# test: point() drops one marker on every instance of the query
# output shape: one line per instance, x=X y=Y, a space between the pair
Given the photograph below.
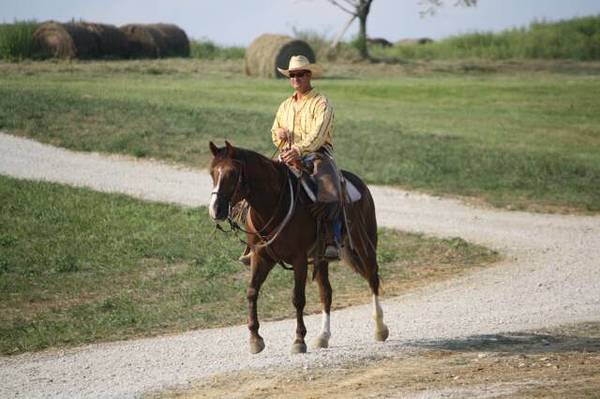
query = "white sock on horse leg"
x=377 y=313
x=326 y=325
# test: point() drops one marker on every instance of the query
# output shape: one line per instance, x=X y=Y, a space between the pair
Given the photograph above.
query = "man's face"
x=300 y=80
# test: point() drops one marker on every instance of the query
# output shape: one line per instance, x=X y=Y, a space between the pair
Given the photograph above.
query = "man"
x=303 y=129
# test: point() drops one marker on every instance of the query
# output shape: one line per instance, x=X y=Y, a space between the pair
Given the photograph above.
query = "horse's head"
x=227 y=175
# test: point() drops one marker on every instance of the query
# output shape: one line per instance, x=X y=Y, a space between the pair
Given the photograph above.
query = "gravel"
x=550 y=276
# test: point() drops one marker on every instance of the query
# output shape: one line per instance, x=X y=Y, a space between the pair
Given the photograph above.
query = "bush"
x=16 y=40
x=208 y=50
x=321 y=45
x=576 y=39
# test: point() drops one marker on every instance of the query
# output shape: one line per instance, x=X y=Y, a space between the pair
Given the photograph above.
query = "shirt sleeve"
x=323 y=115
x=277 y=123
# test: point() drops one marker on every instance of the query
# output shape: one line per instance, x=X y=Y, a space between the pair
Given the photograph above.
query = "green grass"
x=526 y=139
x=16 y=40
x=78 y=266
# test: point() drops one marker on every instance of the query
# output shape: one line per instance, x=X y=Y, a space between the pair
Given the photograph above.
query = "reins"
x=265 y=241
x=283 y=223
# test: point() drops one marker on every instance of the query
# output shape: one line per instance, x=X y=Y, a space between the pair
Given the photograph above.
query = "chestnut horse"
x=281 y=228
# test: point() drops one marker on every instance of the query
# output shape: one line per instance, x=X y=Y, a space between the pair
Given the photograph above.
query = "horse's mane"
x=250 y=157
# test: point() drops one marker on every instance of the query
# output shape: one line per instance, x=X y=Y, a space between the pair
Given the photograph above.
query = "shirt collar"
x=308 y=95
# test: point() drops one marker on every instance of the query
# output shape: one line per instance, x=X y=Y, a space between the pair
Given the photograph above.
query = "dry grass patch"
x=563 y=362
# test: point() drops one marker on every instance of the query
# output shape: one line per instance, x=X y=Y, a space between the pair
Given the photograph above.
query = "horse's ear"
x=213 y=148
x=230 y=149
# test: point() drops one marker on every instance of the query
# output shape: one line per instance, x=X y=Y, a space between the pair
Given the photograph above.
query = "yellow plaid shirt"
x=310 y=120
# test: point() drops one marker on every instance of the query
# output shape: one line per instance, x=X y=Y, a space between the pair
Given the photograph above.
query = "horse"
x=281 y=228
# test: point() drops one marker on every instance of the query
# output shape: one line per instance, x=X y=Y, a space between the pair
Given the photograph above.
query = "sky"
x=238 y=22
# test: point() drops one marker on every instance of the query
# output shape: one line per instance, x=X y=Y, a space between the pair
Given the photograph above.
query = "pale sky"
x=238 y=22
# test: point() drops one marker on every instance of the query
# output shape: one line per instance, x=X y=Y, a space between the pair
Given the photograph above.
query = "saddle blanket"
x=310 y=188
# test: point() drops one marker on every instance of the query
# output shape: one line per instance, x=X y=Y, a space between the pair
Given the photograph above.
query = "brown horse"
x=280 y=227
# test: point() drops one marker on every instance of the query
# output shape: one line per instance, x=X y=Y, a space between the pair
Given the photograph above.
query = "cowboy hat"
x=301 y=63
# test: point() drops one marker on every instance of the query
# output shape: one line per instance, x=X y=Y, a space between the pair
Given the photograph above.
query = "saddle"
x=309 y=185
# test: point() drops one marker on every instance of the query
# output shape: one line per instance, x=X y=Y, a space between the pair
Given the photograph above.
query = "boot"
x=332 y=252
x=245 y=257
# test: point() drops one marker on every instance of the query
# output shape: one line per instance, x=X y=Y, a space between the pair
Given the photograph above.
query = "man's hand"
x=290 y=156
x=283 y=133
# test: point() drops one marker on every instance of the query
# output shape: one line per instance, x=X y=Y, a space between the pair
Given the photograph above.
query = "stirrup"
x=332 y=252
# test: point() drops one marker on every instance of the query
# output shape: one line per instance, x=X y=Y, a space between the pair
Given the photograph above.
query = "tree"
x=357 y=9
x=360 y=9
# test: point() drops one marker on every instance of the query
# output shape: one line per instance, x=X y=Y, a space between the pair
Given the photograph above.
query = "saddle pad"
x=353 y=192
x=310 y=187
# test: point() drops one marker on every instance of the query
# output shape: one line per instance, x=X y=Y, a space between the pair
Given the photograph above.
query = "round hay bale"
x=156 y=40
x=70 y=40
x=143 y=41
x=112 y=42
x=414 y=42
x=379 y=41
x=175 y=40
x=267 y=52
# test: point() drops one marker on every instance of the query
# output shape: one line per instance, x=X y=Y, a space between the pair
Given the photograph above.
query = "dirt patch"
x=561 y=363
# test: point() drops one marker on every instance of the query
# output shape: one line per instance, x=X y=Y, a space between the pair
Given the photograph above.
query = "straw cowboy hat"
x=301 y=63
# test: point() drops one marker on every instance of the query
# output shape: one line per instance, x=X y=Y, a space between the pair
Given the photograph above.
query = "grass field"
x=78 y=266
x=527 y=139
x=517 y=135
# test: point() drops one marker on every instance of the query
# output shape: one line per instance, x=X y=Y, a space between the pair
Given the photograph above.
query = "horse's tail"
x=363 y=230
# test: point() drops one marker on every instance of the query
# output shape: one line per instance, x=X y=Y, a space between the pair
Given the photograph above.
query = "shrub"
x=576 y=39
x=208 y=50
x=16 y=40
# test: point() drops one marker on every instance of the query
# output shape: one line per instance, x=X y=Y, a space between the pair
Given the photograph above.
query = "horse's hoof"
x=298 y=347
x=320 y=342
x=382 y=334
x=256 y=345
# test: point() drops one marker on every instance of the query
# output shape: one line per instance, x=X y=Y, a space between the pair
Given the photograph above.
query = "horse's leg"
x=300 y=270
x=322 y=274
x=364 y=261
x=381 y=330
x=260 y=268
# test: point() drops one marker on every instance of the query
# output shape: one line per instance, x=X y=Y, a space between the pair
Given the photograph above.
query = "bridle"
x=265 y=238
x=238 y=184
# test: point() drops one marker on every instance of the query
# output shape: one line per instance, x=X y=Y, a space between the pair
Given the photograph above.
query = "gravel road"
x=550 y=275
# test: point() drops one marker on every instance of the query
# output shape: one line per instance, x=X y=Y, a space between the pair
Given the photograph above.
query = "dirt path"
x=551 y=363
x=551 y=276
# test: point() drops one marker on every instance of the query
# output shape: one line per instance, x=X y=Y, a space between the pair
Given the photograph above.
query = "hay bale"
x=175 y=40
x=112 y=42
x=267 y=52
x=156 y=40
x=70 y=40
x=142 y=41
x=414 y=42
x=379 y=41
x=79 y=40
